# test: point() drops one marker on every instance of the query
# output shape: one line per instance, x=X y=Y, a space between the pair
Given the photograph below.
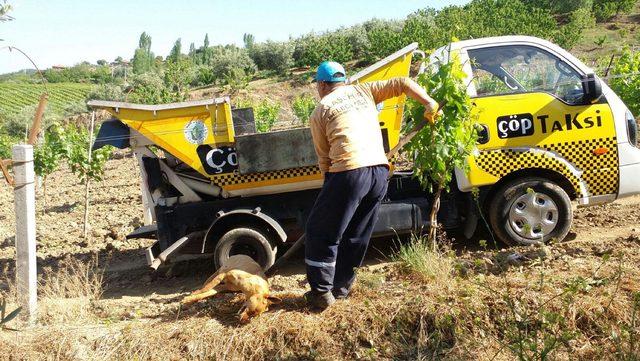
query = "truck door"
x=532 y=104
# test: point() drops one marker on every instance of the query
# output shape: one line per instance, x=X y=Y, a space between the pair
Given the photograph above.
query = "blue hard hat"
x=331 y=72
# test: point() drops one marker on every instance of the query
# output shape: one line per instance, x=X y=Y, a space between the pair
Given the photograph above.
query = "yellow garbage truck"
x=551 y=133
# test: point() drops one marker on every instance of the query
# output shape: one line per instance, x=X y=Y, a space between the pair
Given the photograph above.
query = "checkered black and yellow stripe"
x=231 y=181
x=598 y=172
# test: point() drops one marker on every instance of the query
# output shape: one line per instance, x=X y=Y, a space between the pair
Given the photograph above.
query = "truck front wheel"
x=247 y=241
x=530 y=210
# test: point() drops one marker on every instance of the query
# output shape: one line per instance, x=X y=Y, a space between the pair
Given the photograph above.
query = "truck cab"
x=550 y=125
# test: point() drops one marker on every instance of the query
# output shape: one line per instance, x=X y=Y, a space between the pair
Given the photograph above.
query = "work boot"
x=319 y=300
x=340 y=293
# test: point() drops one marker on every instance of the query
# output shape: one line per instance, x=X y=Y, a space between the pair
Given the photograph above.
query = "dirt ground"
x=135 y=312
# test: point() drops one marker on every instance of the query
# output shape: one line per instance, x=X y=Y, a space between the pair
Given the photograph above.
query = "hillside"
x=619 y=32
x=17 y=96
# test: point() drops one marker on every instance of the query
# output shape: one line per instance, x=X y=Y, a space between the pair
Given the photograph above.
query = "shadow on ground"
x=127 y=275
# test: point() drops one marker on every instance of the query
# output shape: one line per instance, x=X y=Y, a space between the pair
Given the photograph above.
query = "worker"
x=348 y=142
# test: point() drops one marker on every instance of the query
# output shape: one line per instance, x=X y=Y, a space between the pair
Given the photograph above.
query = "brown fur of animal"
x=240 y=273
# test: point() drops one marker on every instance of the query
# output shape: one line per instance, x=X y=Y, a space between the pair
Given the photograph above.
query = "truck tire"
x=245 y=241
x=529 y=210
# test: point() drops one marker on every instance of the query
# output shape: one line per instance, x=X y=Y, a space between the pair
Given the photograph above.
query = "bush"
x=312 y=49
x=177 y=78
x=625 y=80
x=79 y=73
x=231 y=61
x=204 y=75
x=571 y=33
x=386 y=37
x=101 y=75
x=47 y=154
x=74 y=108
x=359 y=41
x=106 y=92
x=419 y=26
x=147 y=88
x=561 y=8
x=480 y=18
x=266 y=114
x=76 y=154
x=15 y=125
x=303 y=106
x=604 y=10
x=6 y=142
x=237 y=79
x=271 y=55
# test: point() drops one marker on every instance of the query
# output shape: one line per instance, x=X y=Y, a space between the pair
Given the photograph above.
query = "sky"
x=66 y=32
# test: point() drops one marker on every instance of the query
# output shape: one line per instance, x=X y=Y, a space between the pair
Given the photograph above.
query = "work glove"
x=431 y=114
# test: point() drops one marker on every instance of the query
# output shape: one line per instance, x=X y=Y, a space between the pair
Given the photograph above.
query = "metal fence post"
x=25 y=205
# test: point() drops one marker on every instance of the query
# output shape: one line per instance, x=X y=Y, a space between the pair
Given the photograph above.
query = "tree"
x=101 y=75
x=176 y=52
x=561 y=8
x=147 y=88
x=207 y=54
x=106 y=92
x=625 y=80
x=5 y=8
x=177 y=77
x=4 y=12
x=386 y=35
x=77 y=141
x=143 y=58
x=192 y=50
x=231 y=61
x=272 y=55
x=571 y=32
x=248 y=40
x=47 y=155
x=604 y=10
x=303 y=106
x=441 y=148
x=101 y=62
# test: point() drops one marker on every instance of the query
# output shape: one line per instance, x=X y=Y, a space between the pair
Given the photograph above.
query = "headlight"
x=632 y=129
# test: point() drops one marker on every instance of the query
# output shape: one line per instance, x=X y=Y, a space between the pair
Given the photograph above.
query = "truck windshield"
x=516 y=69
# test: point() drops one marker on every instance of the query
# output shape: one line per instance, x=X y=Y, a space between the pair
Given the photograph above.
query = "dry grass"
x=434 y=264
x=424 y=307
x=65 y=294
x=73 y=279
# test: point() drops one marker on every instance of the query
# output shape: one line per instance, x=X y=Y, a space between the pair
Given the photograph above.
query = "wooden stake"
x=37 y=120
x=85 y=228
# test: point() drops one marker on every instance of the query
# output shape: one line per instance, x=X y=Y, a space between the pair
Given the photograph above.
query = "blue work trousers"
x=340 y=226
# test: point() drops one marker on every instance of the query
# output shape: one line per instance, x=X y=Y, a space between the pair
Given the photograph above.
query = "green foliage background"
x=625 y=79
x=303 y=106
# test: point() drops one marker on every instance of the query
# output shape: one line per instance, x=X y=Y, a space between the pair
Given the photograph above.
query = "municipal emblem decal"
x=195 y=132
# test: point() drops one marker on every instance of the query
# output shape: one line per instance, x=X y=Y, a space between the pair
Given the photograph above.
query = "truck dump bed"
x=203 y=136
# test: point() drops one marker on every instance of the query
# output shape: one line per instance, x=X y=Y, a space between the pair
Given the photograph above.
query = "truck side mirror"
x=592 y=88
